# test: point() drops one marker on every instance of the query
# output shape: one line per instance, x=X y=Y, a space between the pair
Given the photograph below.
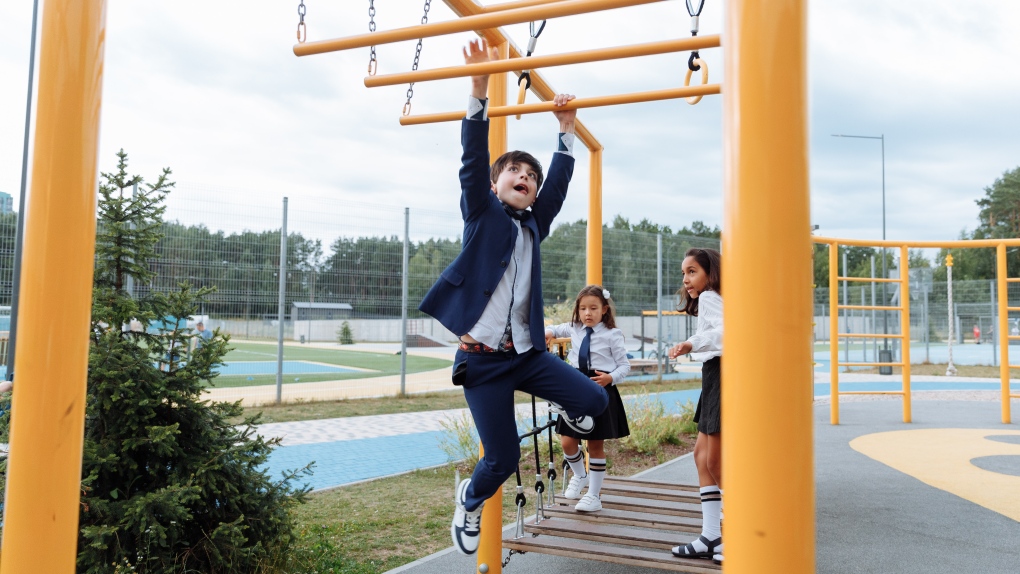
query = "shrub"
x=345 y=336
x=460 y=439
x=651 y=426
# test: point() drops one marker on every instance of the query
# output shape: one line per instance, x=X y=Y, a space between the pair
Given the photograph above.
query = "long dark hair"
x=709 y=260
x=608 y=318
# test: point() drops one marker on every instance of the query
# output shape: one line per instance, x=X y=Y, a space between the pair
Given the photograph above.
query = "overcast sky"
x=213 y=90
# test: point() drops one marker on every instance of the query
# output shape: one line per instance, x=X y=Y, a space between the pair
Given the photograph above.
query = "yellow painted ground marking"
x=941 y=458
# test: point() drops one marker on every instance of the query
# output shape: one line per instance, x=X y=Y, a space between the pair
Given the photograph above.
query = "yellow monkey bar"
x=465 y=24
x=536 y=62
x=501 y=111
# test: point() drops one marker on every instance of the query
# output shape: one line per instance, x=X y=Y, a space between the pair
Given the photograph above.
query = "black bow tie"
x=521 y=215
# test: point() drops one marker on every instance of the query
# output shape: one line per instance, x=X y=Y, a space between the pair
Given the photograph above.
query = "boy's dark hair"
x=608 y=318
x=512 y=157
x=709 y=260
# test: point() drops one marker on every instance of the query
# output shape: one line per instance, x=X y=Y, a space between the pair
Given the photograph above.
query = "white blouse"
x=706 y=343
x=606 y=352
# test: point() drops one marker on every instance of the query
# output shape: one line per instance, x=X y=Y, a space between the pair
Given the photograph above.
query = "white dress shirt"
x=606 y=351
x=516 y=281
x=706 y=343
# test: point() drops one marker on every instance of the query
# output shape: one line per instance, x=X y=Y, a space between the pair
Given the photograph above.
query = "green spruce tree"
x=169 y=484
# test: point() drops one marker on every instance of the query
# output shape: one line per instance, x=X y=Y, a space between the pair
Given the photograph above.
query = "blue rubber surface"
x=269 y=368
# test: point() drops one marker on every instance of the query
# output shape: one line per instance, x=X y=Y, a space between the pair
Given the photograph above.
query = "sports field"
x=249 y=364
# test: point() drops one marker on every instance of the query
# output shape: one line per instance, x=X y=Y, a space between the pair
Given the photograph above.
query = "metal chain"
x=372 y=62
x=417 y=55
x=512 y=552
x=302 y=31
x=695 y=15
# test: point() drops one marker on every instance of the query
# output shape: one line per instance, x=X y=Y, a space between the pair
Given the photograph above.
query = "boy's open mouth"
x=521 y=188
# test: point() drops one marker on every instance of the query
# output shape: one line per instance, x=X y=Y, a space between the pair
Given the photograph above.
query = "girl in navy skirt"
x=701 y=296
x=596 y=350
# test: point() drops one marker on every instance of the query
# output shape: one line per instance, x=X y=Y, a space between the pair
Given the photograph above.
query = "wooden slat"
x=650 y=483
x=640 y=505
x=607 y=533
x=615 y=554
x=629 y=518
x=652 y=493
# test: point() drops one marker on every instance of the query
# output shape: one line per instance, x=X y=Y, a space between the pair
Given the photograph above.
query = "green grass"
x=380 y=364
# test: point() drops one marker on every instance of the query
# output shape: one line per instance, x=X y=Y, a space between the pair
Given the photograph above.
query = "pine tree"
x=169 y=484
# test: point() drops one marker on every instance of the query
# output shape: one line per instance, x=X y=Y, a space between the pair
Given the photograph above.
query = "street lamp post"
x=885 y=273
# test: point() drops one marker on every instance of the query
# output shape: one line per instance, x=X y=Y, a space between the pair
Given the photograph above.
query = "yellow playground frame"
x=1003 y=311
x=767 y=245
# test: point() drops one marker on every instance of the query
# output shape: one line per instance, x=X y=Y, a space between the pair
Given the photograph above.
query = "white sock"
x=597 y=466
x=576 y=462
x=711 y=508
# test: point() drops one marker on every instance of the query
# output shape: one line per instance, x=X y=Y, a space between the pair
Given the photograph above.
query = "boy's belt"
x=506 y=347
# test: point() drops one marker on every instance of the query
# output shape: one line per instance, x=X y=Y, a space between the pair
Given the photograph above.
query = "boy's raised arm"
x=474 y=171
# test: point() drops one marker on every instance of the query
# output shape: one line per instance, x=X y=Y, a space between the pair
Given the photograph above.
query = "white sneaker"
x=467 y=525
x=582 y=425
x=589 y=503
x=577 y=483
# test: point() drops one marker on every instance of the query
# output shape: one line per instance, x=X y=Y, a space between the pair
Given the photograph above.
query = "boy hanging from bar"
x=491 y=298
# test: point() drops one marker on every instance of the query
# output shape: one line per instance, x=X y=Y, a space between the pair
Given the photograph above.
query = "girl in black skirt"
x=597 y=350
x=701 y=296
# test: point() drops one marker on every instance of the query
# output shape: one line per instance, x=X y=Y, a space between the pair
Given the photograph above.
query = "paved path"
x=353 y=449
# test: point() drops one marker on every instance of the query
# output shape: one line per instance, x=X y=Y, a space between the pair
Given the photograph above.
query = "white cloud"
x=213 y=91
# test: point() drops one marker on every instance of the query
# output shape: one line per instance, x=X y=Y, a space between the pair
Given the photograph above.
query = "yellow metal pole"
x=465 y=24
x=834 y=333
x=1003 y=288
x=490 y=544
x=767 y=222
x=514 y=5
x=594 y=269
x=579 y=103
x=905 y=303
x=48 y=415
x=537 y=62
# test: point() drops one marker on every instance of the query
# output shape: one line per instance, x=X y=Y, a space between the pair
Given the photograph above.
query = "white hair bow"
x=605 y=293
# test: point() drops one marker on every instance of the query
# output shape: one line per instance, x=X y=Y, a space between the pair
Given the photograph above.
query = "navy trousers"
x=489 y=383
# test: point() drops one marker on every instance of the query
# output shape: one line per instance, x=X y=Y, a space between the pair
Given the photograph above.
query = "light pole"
x=885 y=274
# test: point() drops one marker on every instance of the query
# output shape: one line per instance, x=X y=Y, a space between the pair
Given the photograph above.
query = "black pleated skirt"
x=612 y=423
x=708 y=414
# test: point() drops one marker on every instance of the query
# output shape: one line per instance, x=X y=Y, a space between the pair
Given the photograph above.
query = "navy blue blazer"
x=462 y=291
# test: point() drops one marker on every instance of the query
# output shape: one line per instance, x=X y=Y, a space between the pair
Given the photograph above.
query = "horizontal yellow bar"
x=842 y=364
x=1013 y=280
x=870 y=279
x=1014 y=366
x=1013 y=308
x=871 y=392
x=949 y=244
x=465 y=24
x=871 y=335
x=536 y=62
x=869 y=307
x=595 y=102
x=503 y=6
x=1013 y=337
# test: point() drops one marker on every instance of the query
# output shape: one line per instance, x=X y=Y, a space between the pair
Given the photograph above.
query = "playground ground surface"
x=937 y=496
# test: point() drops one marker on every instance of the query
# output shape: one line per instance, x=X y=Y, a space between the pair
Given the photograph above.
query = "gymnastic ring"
x=704 y=80
x=521 y=93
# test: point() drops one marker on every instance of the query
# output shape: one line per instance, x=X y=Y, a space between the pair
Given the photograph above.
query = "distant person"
x=597 y=350
x=491 y=298
x=977 y=334
x=202 y=335
x=701 y=296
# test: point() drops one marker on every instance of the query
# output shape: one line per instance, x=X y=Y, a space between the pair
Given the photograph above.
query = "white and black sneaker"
x=574 y=487
x=467 y=525
x=582 y=425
